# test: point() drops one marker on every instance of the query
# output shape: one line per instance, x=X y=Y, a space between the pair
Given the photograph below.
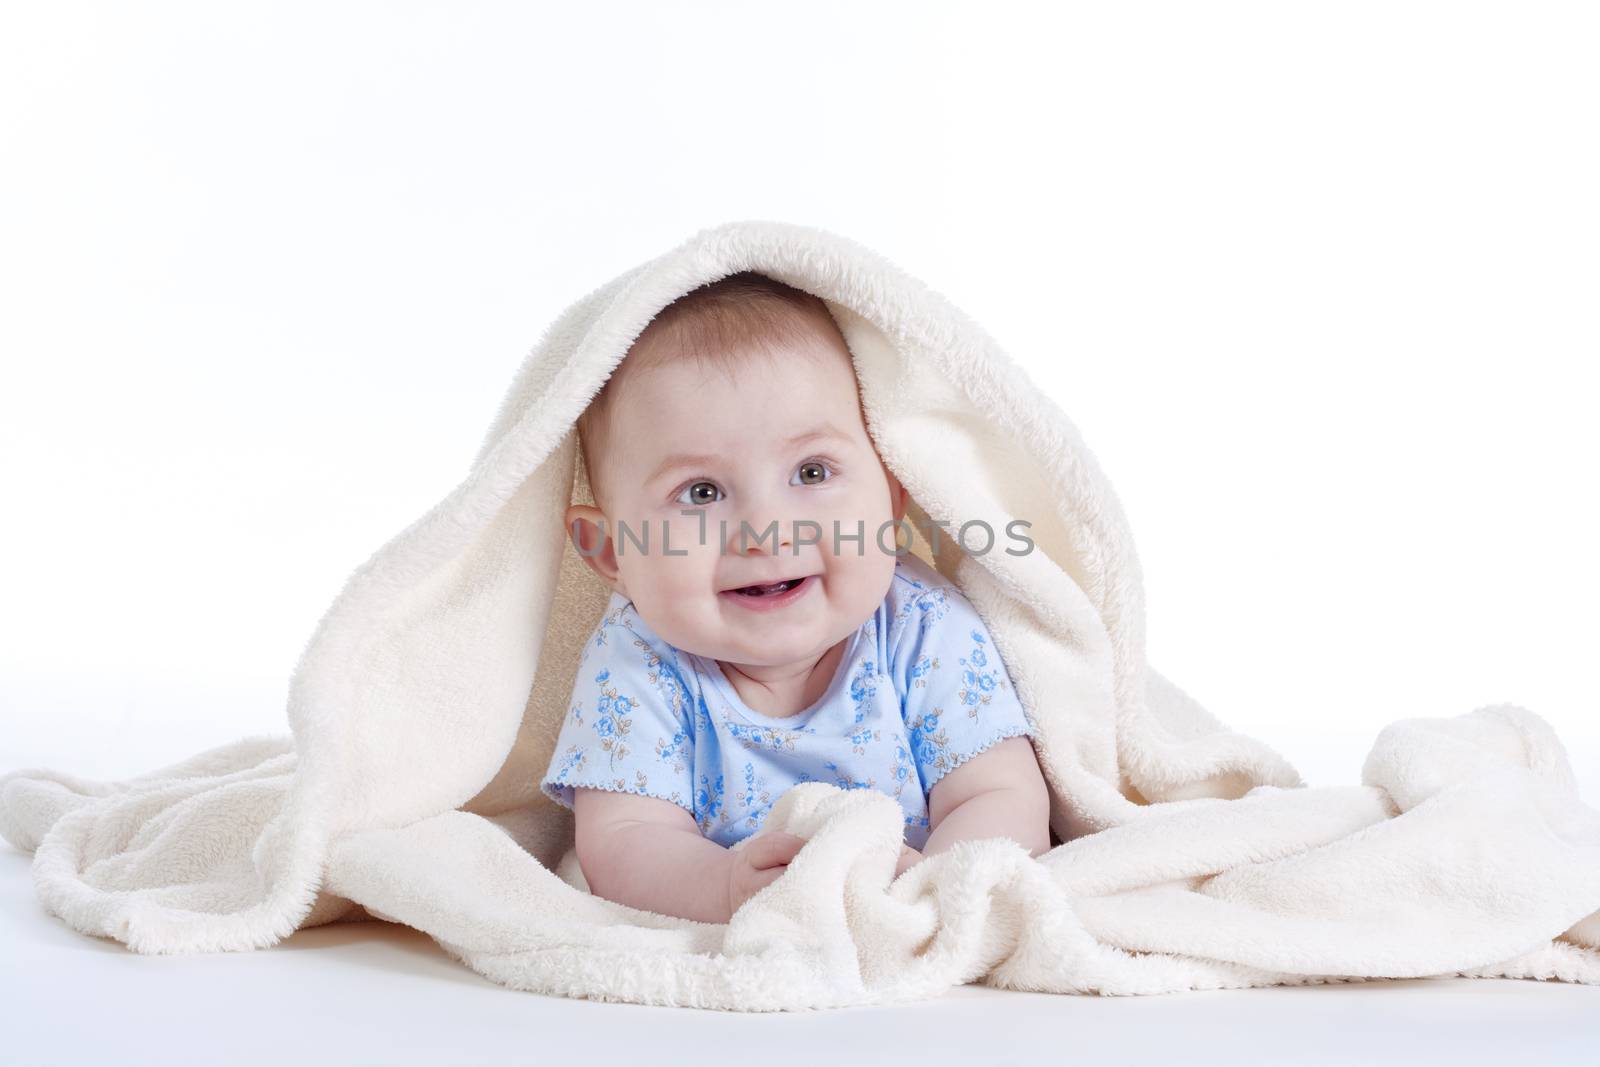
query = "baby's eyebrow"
x=704 y=459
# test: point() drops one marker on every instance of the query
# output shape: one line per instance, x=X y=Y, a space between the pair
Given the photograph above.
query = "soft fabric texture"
x=426 y=704
x=917 y=692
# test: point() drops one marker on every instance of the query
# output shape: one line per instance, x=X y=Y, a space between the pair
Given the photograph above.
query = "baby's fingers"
x=768 y=876
x=772 y=849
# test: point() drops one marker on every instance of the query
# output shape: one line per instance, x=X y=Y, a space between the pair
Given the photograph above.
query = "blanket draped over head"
x=426 y=703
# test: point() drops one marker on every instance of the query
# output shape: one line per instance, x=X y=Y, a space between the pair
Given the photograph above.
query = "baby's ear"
x=590 y=531
x=897 y=495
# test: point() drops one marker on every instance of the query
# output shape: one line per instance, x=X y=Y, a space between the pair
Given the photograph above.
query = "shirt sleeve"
x=958 y=698
x=628 y=728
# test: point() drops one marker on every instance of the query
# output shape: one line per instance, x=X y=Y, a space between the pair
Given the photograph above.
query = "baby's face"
x=782 y=440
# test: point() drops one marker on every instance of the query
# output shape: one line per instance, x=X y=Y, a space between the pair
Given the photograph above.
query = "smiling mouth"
x=772 y=589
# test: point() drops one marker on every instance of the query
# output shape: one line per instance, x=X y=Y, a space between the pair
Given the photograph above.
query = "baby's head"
x=738 y=404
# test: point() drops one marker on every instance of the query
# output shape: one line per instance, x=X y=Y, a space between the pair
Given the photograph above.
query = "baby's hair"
x=720 y=323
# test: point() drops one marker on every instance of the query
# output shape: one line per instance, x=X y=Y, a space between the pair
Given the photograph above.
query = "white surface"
x=383 y=994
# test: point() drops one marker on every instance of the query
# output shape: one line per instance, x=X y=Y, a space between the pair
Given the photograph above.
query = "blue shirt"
x=918 y=690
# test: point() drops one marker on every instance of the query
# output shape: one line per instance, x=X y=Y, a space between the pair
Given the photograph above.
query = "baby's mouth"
x=772 y=589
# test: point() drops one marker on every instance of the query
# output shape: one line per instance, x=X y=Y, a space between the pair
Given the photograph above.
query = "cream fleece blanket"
x=426 y=703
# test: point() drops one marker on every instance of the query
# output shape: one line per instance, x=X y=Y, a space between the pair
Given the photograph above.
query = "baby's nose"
x=753 y=537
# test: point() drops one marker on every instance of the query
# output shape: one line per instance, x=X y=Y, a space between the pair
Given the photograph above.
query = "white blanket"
x=426 y=703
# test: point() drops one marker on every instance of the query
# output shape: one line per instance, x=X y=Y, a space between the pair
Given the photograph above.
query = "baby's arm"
x=649 y=854
x=1000 y=792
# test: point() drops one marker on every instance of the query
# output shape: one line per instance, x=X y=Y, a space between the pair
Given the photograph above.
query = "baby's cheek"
x=862 y=541
x=679 y=533
x=685 y=569
x=860 y=581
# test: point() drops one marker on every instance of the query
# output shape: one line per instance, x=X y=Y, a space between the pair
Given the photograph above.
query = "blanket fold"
x=425 y=706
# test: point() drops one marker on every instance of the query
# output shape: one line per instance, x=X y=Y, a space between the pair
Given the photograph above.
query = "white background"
x=1317 y=283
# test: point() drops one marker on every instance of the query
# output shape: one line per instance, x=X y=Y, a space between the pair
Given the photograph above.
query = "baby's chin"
x=752 y=648
x=757 y=646
x=770 y=643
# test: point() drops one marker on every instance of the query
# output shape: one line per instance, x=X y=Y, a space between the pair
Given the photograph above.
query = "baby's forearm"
x=667 y=871
x=997 y=813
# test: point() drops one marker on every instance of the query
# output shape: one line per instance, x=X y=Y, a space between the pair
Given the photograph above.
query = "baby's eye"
x=811 y=472
x=698 y=494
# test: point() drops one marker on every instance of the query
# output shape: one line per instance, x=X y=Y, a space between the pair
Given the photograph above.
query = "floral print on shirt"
x=922 y=691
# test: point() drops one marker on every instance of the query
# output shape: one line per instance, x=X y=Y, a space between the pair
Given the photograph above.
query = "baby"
x=766 y=626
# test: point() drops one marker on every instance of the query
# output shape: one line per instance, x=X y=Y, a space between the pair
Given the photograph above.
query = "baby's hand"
x=909 y=857
x=758 y=864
